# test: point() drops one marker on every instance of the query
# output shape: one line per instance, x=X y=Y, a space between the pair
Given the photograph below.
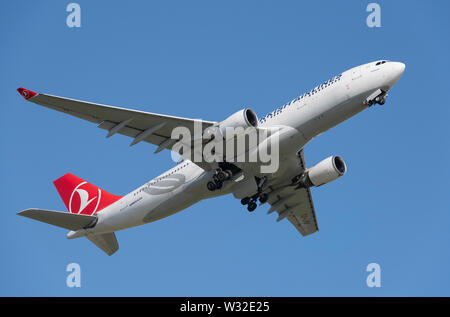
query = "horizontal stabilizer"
x=106 y=241
x=59 y=218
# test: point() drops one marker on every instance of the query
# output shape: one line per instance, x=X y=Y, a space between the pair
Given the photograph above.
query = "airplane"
x=97 y=214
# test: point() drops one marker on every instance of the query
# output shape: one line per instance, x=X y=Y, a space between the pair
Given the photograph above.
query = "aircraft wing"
x=139 y=125
x=296 y=205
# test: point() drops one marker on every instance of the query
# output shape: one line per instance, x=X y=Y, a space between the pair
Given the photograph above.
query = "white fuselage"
x=306 y=116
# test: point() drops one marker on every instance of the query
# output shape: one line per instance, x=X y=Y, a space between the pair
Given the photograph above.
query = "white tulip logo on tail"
x=81 y=197
x=84 y=200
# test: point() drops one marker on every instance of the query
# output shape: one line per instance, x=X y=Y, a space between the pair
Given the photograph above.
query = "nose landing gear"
x=379 y=99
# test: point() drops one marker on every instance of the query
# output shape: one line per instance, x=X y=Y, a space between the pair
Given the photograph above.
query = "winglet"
x=27 y=94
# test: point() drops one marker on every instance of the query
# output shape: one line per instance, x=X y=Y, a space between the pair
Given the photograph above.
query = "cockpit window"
x=380 y=62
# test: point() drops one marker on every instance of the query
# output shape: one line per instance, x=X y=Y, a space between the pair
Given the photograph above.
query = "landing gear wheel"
x=251 y=206
x=263 y=198
x=219 y=185
x=228 y=173
x=245 y=200
x=211 y=186
x=221 y=176
x=380 y=99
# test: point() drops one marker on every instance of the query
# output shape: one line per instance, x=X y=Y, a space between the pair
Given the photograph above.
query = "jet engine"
x=322 y=173
x=244 y=118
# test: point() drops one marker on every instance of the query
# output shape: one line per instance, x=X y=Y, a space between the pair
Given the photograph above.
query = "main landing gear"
x=218 y=178
x=262 y=197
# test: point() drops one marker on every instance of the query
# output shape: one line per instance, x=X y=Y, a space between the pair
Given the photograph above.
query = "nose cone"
x=399 y=68
x=396 y=71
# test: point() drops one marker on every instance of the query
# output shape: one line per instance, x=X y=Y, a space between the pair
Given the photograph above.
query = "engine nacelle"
x=322 y=173
x=244 y=118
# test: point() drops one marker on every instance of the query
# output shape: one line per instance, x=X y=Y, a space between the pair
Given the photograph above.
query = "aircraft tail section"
x=59 y=218
x=81 y=197
x=106 y=241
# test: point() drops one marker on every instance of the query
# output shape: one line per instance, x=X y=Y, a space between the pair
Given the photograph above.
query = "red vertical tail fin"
x=81 y=197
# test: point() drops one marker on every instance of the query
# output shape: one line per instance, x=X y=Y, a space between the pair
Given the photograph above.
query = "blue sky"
x=208 y=59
